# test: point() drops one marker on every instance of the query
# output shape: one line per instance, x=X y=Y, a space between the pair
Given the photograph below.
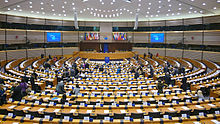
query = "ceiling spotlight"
x=128 y=1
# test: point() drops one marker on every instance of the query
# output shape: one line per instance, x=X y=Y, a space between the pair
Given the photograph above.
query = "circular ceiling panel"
x=111 y=10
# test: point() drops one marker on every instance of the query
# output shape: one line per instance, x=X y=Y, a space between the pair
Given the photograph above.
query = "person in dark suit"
x=185 y=86
x=63 y=99
x=87 y=65
x=2 y=81
x=160 y=86
x=16 y=95
x=136 y=75
x=47 y=65
x=151 y=72
x=165 y=70
x=2 y=95
x=167 y=78
x=33 y=87
x=144 y=55
x=101 y=69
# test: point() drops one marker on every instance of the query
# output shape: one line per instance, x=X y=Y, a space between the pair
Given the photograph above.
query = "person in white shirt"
x=76 y=90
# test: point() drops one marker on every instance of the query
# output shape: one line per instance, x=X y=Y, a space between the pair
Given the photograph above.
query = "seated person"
x=160 y=86
x=200 y=94
x=118 y=70
x=185 y=86
x=63 y=99
x=2 y=95
x=2 y=81
x=16 y=95
x=60 y=88
x=167 y=78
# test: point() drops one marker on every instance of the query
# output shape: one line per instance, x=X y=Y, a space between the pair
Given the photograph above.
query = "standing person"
x=157 y=55
x=151 y=72
x=136 y=75
x=76 y=90
x=32 y=80
x=24 y=87
x=144 y=55
x=60 y=88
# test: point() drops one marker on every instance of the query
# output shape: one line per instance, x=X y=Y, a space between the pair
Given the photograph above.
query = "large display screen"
x=157 y=37
x=120 y=36
x=53 y=36
x=91 y=36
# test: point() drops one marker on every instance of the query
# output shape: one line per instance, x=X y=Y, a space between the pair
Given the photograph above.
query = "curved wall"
x=192 y=54
x=200 y=38
x=15 y=54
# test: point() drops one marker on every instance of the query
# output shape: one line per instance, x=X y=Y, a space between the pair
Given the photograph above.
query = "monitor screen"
x=53 y=36
x=157 y=37
x=91 y=36
x=120 y=36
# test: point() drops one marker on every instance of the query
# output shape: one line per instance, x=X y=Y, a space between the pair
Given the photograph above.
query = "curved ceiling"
x=111 y=10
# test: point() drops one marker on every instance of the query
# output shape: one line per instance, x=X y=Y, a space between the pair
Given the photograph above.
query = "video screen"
x=53 y=36
x=120 y=36
x=91 y=36
x=157 y=37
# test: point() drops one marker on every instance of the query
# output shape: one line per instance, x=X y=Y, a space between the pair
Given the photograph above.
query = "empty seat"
x=108 y=103
x=137 y=102
x=188 y=112
x=102 y=116
x=137 y=115
x=66 y=114
x=82 y=115
x=18 y=112
x=123 y=103
x=197 y=111
x=119 y=116
x=172 y=114
x=51 y=114
x=34 y=113
x=93 y=103
x=154 y=114
x=3 y=111
x=79 y=102
x=212 y=110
